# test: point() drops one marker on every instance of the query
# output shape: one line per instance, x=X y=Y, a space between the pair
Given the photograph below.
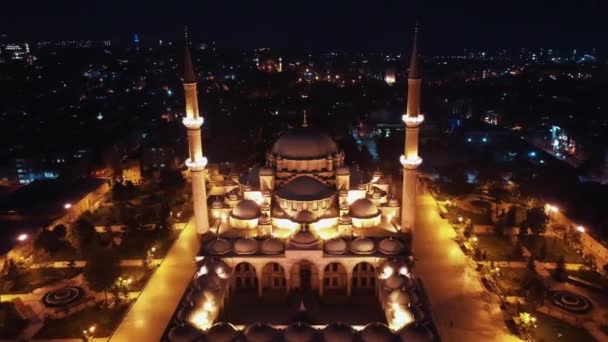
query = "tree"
x=560 y=269
x=542 y=253
x=49 y=241
x=515 y=216
x=537 y=220
x=83 y=236
x=500 y=194
x=102 y=270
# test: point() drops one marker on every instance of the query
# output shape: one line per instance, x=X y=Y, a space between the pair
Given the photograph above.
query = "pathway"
x=150 y=315
x=461 y=308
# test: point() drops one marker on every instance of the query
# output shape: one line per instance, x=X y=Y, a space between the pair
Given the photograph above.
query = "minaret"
x=410 y=160
x=197 y=162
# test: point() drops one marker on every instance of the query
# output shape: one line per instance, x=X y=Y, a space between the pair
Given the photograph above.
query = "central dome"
x=305 y=188
x=304 y=143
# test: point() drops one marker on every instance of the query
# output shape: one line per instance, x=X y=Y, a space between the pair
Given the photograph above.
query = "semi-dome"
x=304 y=144
x=266 y=171
x=222 y=332
x=391 y=246
x=246 y=210
x=245 y=246
x=272 y=246
x=305 y=216
x=377 y=332
x=218 y=246
x=299 y=332
x=260 y=333
x=362 y=245
x=303 y=238
x=335 y=246
x=184 y=333
x=363 y=208
x=338 y=332
x=416 y=333
x=305 y=188
x=343 y=171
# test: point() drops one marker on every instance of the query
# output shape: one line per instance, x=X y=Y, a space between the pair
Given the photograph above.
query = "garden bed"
x=106 y=320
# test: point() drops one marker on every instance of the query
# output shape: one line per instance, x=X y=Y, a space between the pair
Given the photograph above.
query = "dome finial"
x=414 y=72
x=304 y=120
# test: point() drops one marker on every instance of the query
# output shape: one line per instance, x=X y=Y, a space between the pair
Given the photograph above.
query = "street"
x=462 y=309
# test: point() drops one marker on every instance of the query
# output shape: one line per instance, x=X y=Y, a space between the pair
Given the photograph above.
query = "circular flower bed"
x=62 y=296
x=571 y=301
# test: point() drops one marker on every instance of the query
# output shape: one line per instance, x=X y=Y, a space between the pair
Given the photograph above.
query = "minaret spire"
x=304 y=120
x=414 y=72
x=189 y=75
x=197 y=161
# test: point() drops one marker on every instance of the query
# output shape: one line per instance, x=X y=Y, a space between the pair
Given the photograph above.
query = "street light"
x=89 y=334
x=580 y=229
x=22 y=237
x=67 y=205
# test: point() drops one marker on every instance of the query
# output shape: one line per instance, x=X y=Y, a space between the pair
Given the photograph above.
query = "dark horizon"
x=355 y=25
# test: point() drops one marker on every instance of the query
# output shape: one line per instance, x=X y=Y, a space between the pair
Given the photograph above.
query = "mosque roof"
x=304 y=144
x=305 y=188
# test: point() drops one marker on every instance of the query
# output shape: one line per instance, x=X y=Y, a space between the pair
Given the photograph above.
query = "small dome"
x=246 y=210
x=305 y=216
x=303 y=238
x=184 y=333
x=266 y=171
x=217 y=204
x=343 y=171
x=393 y=202
x=345 y=219
x=416 y=333
x=222 y=332
x=363 y=208
x=343 y=193
x=245 y=246
x=299 y=332
x=377 y=173
x=338 y=332
x=265 y=219
x=218 y=246
x=400 y=297
x=377 y=332
x=305 y=188
x=304 y=144
x=391 y=246
x=232 y=196
x=272 y=246
x=335 y=246
x=394 y=282
x=260 y=333
x=362 y=245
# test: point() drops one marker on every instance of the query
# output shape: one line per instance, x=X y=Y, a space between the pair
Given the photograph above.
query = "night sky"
x=449 y=26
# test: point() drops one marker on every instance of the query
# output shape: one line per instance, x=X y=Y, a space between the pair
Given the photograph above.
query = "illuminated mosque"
x=307 y=228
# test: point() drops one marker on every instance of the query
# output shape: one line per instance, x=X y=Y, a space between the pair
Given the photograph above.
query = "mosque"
x=308 y=227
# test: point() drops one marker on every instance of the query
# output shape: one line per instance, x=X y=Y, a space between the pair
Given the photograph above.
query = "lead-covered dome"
x=304 y=144
x=303 y=238
x=246 y=210
x=363 y=208
x=245 y=246
x=305 y=188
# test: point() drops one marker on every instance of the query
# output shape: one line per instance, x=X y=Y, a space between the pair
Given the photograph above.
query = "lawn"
x=106 y=321
x=551 y=329
x=29 y=279
x=139 y=274
x=11 y=323
x=510 y=281
x=136 y=244
x=497 y=248
x=555 y=248
x=455 y=212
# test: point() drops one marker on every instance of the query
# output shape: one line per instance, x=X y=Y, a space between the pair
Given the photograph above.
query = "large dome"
x=303 y=144
x=305 y=188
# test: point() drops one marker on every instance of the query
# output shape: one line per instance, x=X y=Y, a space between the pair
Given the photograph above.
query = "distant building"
x=158 y=158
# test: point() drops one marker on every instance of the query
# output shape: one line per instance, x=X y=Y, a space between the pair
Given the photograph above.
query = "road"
x=149 y=316
x=462 y=309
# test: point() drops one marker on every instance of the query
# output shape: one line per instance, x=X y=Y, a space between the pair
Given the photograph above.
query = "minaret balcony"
x=193 y=123
x=410 y=162
x=198 y=165
x=412 y=121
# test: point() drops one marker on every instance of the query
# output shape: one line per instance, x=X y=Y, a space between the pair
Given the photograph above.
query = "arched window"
x=244 y=277
x=364 y=278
